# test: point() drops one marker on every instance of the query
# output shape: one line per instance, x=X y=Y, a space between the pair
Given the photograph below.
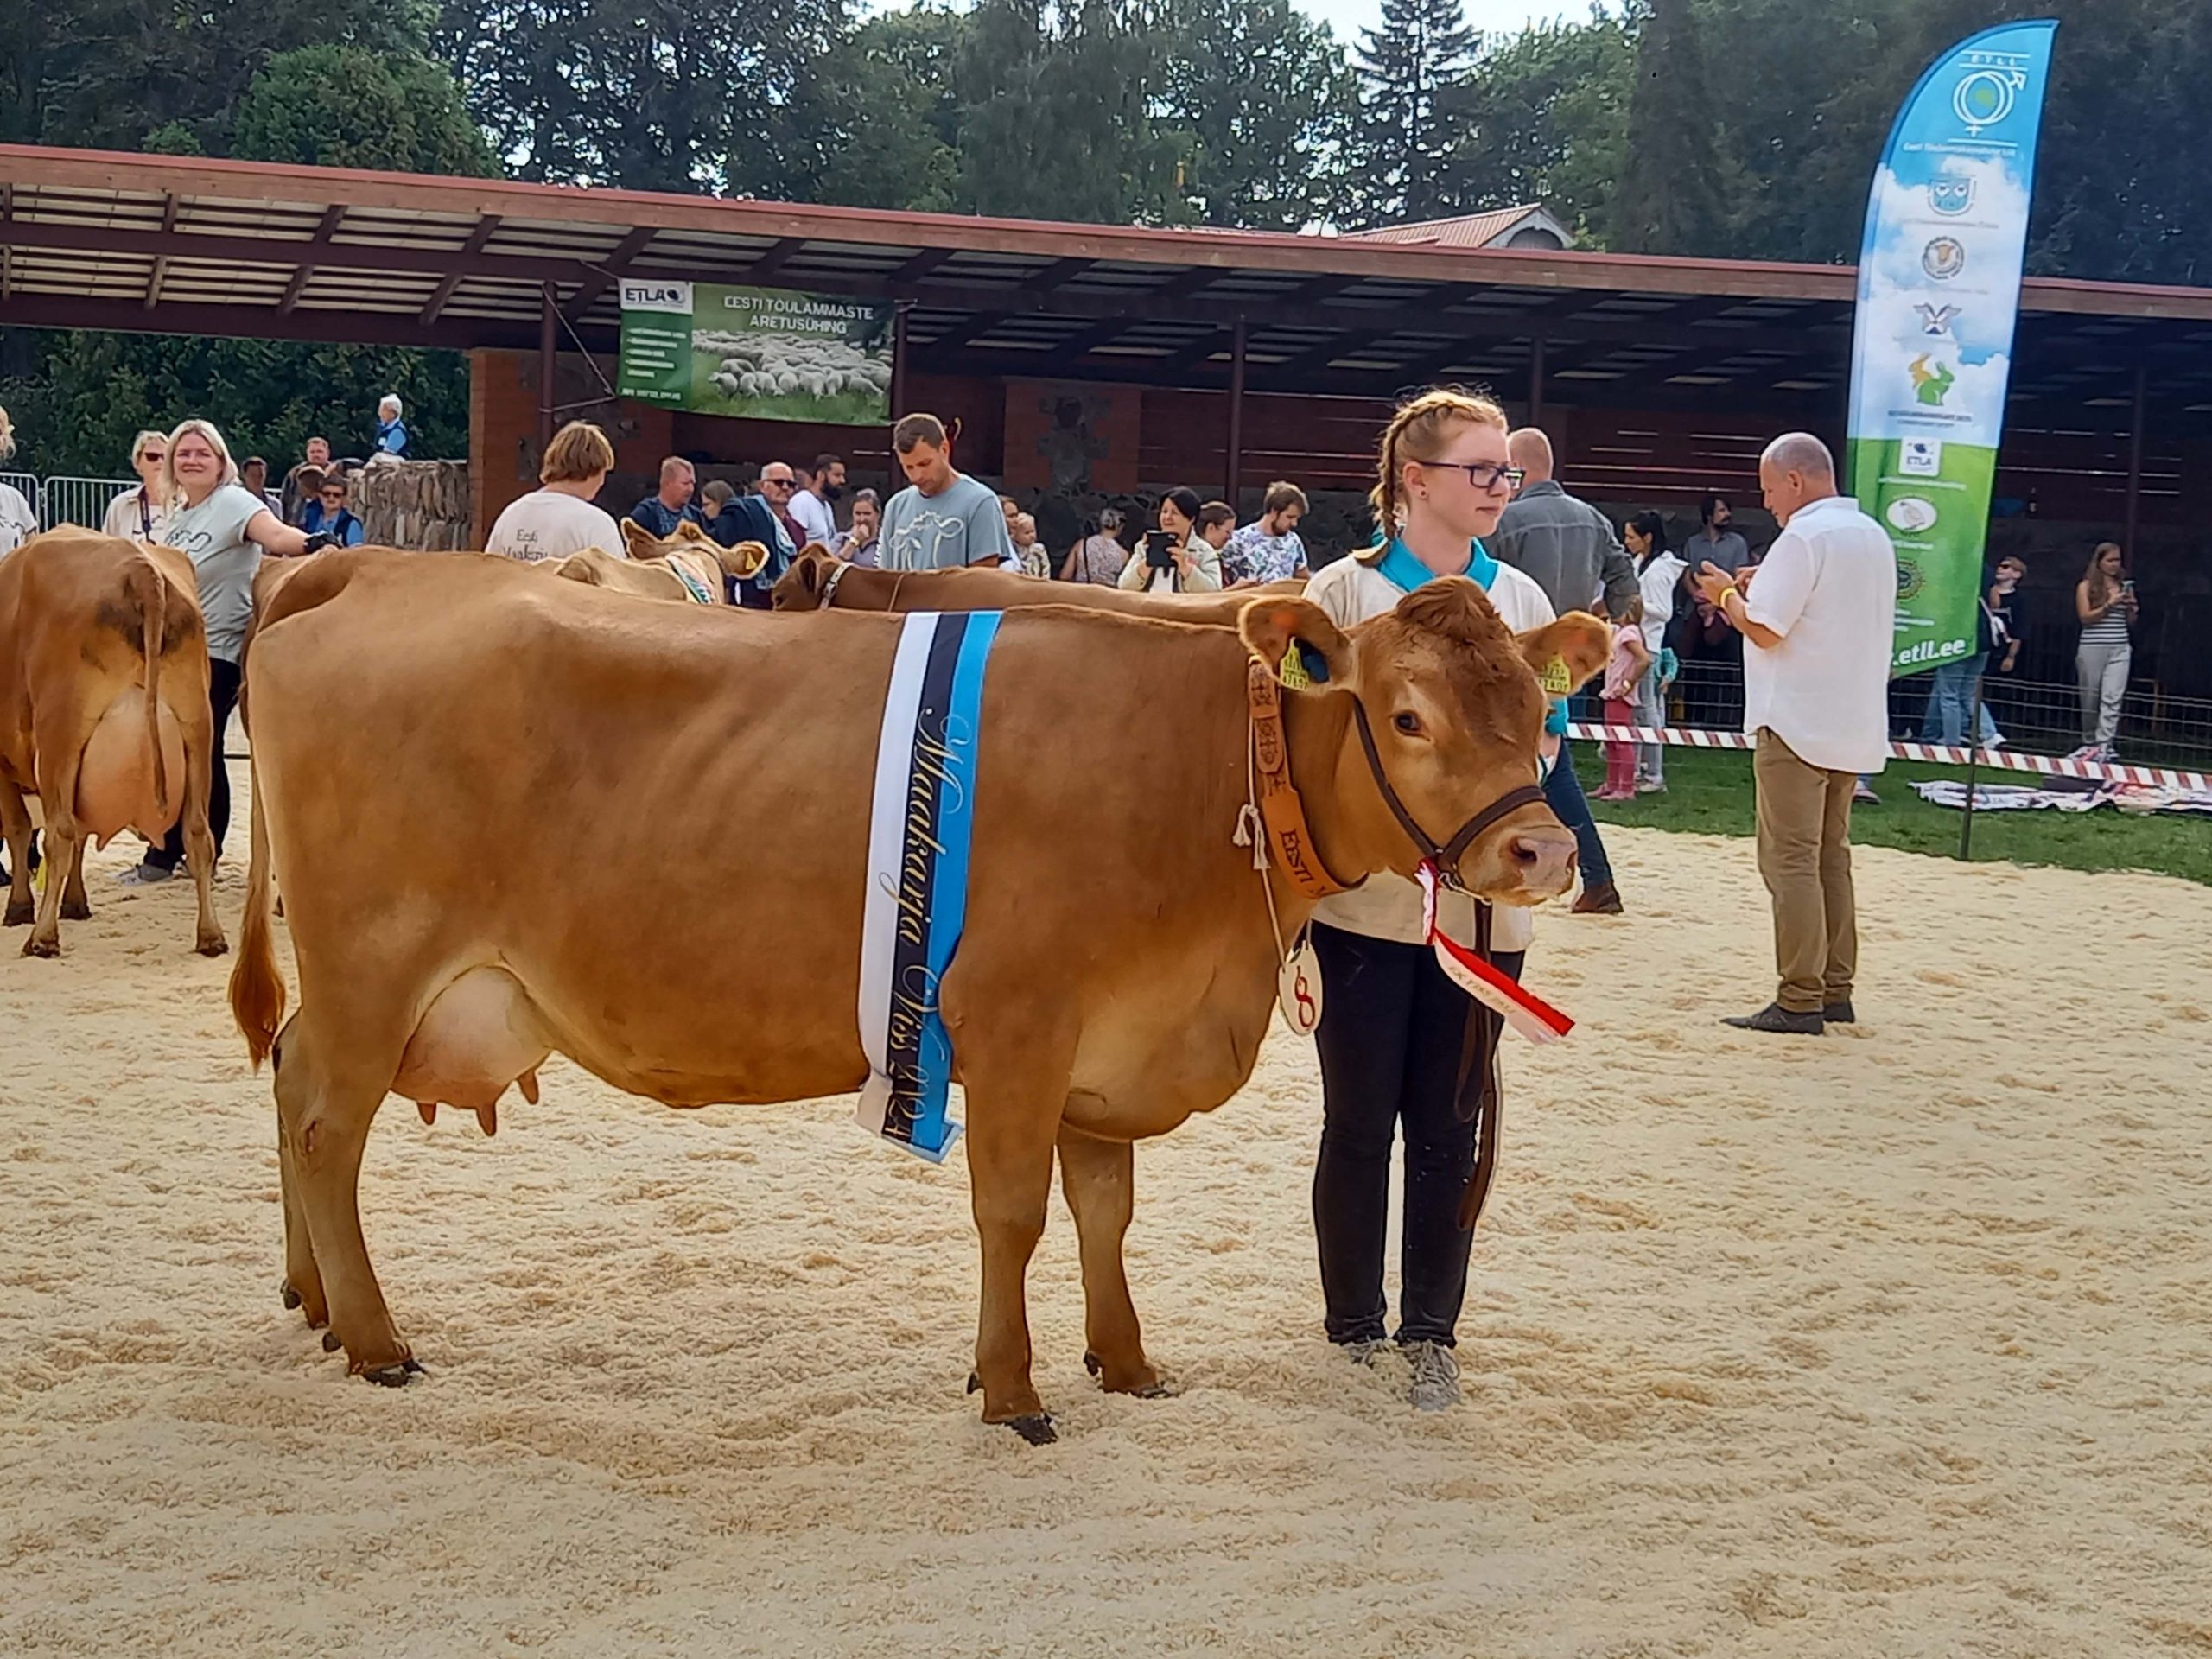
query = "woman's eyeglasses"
x=1482 y=475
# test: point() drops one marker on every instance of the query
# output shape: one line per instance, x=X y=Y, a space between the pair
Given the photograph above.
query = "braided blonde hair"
x=1418 y=432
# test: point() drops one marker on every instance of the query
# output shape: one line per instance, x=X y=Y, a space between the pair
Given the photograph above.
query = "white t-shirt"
x=1388 y=907
x=18 y=524
x=132 y=517
x=1829 y=586
x=814 y=517
x=1657 y=581
x=212 y=535
x=546 y=524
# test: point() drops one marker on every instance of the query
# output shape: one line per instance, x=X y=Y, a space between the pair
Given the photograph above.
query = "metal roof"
x=186 y=244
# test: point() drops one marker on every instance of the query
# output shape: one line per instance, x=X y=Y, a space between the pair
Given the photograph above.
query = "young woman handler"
x=1393 y=1028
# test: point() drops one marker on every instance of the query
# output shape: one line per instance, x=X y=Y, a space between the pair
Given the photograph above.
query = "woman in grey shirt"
x=223 y=529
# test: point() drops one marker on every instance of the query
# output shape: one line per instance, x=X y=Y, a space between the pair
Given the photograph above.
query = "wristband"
x=1721 y=603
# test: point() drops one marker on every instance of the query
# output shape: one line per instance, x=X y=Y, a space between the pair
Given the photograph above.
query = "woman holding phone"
x=1174 y=558
x=2105 y=601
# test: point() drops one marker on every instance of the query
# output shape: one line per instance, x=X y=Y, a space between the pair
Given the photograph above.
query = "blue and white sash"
x=918 y=872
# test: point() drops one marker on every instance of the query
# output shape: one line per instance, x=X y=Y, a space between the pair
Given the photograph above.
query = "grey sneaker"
x=144 y=875
x=1436 y=1376
x=1363 y=1352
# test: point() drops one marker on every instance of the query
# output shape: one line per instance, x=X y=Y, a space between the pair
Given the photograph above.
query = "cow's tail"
x=256 y=987
x=150 y=589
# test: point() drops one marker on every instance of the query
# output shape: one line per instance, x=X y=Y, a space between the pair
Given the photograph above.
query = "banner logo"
x=1935 y=319
x=1909 y=578
x=1921 y=457
x=1931 y=381
x=1989 y=90
x=1910 y=514
x=1944 y=257
x=1950 y=194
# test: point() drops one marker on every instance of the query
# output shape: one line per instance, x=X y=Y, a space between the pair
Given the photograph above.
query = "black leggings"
x=222 y=697
x=1393 y=1028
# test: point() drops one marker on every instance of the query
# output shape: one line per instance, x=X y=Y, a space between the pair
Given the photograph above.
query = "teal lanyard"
x=1407 y=572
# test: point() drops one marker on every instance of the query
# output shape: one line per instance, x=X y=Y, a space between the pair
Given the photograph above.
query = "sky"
x=1348 y=17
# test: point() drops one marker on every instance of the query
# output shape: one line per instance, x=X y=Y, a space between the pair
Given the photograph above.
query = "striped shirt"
x=2111 y=628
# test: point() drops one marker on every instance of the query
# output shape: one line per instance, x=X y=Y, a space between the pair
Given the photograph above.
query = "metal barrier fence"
x=79 y=500
x=69 y=500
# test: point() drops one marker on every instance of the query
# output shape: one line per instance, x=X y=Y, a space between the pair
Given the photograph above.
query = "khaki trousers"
x=1805 y=859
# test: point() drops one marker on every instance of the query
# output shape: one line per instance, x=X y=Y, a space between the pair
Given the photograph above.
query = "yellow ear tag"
x=1558 y=678
x=1291 y=672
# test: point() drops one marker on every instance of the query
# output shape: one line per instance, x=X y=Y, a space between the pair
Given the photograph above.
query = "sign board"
x=762 y=353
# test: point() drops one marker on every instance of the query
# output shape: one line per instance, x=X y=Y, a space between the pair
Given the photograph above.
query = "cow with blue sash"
x=984 y=858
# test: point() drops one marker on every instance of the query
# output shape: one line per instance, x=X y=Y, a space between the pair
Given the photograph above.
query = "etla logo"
x=643 y=295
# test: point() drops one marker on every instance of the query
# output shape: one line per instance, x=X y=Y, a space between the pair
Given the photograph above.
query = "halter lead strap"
x=1446 y=857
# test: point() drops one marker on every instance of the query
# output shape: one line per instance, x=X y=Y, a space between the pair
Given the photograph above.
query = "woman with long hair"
x=1392 y=1037
x=18 y=524
x=223 y=529
x=136 y=515
x=2105 y=601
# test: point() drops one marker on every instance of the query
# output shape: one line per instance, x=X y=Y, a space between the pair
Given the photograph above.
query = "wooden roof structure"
x=186 y=244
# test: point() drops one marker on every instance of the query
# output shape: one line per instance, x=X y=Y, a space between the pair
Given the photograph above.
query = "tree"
x=1408 y=70
x=1056 y=118
x=1266 y=107
x=341 y=107
x=1671 y=194
x=1542 y=117
x=888 y=95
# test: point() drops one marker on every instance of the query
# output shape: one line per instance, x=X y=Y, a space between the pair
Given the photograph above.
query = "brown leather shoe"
x=1602 y=899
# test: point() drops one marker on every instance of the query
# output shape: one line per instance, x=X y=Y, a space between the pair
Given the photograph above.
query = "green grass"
x=1709 y=791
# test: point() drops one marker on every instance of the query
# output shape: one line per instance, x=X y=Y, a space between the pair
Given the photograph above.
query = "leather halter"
x=829 y=594
x=1283 y=814
x=1446 y=857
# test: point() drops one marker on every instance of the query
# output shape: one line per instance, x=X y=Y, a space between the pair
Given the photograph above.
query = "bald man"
x=1818 y=620
x=1570 y=548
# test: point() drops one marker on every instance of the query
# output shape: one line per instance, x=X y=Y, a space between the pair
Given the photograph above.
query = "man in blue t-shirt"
x=329 y=514
x=391 y=431
x=943 y=519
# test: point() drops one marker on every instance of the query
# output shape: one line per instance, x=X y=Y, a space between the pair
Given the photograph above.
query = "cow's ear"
x=1295 y=638
x=809 y=571
x=688 y=531
x=637 y=540
x=1567 y=652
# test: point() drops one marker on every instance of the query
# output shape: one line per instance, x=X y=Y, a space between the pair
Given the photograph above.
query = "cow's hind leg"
x=324 y=1108
x=63 y=848
x=75 y=905
x=1098 y=1177
x=1012 y=1124
x=15 y=825
x=302 y=1286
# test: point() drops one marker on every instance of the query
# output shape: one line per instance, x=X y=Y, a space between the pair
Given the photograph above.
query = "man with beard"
x=814 y=504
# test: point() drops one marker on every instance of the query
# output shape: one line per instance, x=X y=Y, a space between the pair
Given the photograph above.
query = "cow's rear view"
x=104 y=716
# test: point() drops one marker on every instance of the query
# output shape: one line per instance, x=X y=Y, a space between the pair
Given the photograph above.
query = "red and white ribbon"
x=2044 y=765
x=1522 y=1011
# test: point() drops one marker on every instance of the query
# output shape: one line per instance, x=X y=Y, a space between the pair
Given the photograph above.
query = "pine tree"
x=1407 y=69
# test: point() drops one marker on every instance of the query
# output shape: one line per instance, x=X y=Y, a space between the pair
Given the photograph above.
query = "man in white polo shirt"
x=1817 y=625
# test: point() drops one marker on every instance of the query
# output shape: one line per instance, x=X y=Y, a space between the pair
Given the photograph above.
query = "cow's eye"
x=1408 y=723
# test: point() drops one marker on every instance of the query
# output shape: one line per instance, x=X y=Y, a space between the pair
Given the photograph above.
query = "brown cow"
x=103 y=715
x=1116 y=972
x=819 y=581
x=688 y=568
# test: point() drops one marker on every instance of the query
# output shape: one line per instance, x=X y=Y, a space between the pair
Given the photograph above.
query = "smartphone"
x=1159 y=554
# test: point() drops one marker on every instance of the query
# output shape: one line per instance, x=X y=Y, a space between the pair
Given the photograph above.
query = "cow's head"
x=1454 y=704
x=801 y=588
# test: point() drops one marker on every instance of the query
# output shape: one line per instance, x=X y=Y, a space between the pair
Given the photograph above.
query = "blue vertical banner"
x=1939 y=293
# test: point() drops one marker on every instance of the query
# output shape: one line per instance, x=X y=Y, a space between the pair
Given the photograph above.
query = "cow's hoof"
x=218 y=946
x=1154 y=1389
x=395 y=1376
x=975 y=1382
x=292 y=1298
x=34 y=946
x=1036 y=1428
x=331 y=1343
x=21 y=918
x=76 y=909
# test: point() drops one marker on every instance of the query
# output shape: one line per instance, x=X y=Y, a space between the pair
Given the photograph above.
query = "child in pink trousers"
x=1624 y=668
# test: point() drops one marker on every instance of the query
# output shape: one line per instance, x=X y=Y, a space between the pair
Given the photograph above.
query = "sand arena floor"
x=1898 y=1343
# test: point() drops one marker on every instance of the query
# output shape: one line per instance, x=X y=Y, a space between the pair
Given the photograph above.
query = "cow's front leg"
x=1010 y=1137
x=1099 y=1179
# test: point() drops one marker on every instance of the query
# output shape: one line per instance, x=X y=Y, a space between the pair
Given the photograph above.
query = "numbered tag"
x=1297 y=991
x=1558 y=678
x=1292 y=671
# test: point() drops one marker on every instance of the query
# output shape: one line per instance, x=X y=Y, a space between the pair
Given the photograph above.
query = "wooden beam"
x=1076 y=348
x=608 y=272
x=773 y=259
x=1204 y=349
x=549 y=364
x=1341 y=346
x=487 y=228
x=2135 y=460
x=1234 y=466
x=160 y=273
x=1052 y=276
x=332 y=219
x=922 y=264
x=8 y=251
